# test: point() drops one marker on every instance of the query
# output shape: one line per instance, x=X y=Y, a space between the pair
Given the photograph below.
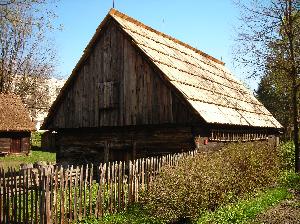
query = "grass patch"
x=15 y=160
x=134 y=215
x=246 y=210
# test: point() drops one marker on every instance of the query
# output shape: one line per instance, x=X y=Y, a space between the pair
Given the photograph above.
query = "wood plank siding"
x=116 y=86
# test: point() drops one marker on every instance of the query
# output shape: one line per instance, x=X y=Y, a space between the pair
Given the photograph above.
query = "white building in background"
x=53 y=86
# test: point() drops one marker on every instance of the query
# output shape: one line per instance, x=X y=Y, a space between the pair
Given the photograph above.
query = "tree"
x=269 y=38
x=27 y=55
x=274 y=92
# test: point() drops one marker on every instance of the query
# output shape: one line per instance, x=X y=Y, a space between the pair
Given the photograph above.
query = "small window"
x=109 y=95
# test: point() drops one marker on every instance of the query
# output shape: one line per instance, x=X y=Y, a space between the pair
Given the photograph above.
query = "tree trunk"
x=296 y=125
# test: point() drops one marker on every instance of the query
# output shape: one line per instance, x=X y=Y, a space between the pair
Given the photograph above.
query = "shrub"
x=209 y=180
x=287 y=155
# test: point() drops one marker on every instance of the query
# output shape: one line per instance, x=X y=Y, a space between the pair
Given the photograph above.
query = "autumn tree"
x=27 y=55
x=268 y=38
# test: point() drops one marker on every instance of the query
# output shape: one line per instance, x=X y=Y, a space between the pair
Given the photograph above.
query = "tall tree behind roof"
x=269 y=37
x=27 y=55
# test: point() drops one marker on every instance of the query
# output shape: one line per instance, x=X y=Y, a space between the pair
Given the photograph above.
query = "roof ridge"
x=114 y=12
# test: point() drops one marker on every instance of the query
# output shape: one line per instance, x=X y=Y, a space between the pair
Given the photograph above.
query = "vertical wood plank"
x=80 y=193
x=120 y=169
x=12 y=195
x=55 y=194
x=124 y=182
x=110 y=179
x=66 y=190
x=70 y=195
x=115 y=186
x=112 y=187
x=4 y=198
x=36 y=198
x=8 y=195
x=84 y=190
x=98 y=192
x=47 y=194
x=90 y=190
x=31 y=197
x=130 y=182
x=1 y=193
x=75 y=194
x=24 y=196
x=62 y=196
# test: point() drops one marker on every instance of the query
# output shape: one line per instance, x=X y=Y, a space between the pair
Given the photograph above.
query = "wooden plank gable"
x=117 y=86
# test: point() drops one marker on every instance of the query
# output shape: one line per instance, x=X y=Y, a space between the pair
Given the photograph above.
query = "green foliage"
x=247 y=209
x=287 y=155
x=134 y=215
x=210 y=180
x=275 y=93
x=36 y=140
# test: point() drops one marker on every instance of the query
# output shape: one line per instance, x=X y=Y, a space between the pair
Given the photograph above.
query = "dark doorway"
x=15 y=146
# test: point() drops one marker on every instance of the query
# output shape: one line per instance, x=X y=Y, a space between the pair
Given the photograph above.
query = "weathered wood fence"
x=65 y=195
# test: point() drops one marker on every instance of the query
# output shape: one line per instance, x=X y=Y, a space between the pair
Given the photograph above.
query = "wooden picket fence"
x=65 y=195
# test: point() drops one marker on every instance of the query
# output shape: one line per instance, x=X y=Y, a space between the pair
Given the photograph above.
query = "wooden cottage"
x=137 y=92
x=15 y=125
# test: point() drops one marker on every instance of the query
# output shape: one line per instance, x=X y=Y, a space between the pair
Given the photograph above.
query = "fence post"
x=47 y=198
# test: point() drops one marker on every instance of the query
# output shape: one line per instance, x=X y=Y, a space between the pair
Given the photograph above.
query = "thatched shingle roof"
x=13 y=114
x=204 y=81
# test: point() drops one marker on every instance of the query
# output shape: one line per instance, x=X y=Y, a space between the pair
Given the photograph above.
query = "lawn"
x=35 y=155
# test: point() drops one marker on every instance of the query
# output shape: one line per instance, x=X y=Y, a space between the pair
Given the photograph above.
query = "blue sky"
x=206 y=25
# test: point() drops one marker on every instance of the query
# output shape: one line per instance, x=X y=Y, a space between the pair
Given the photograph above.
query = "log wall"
x=121 y=144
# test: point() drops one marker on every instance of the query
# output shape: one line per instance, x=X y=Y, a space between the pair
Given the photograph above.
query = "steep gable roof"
x=13 y=114
x=204 y=81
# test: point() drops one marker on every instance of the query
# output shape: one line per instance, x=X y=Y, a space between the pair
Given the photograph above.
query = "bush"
x=287 y=155
x=209 y=180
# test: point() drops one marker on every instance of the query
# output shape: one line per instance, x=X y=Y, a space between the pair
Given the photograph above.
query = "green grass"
x=134 y=215
x=245 y=210
x=14 y=161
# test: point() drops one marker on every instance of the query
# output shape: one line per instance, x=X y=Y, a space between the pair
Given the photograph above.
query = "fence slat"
x=70 y=195
x=36 y=198
x=84 y=190
x=62 y=196
x=1 y=193
x=31 y=198
x=80 y=193
x=120 y=178
x=47 y=201
x=75 y=194
x=91 y=189
x=55 y=194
